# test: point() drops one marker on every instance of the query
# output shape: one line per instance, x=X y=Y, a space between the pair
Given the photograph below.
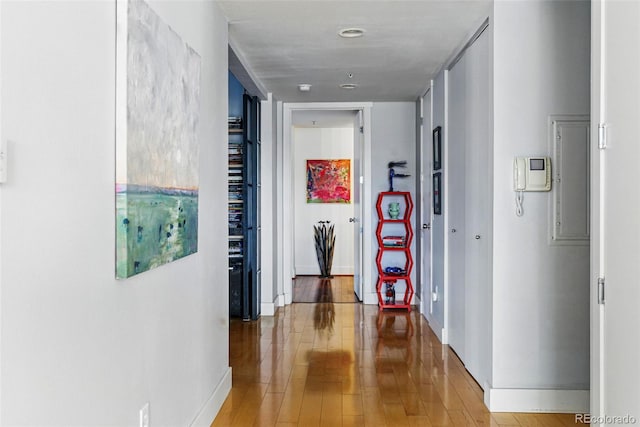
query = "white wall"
x=269 y=227
x=437 y=319
x=283 y=278
x=540 y=295
x=418 y=202
x=393 y=138
x=321 y=143
x=78 y=347
x=539 y=306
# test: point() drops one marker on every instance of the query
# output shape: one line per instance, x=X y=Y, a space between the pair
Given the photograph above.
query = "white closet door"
x=468 y=189
x=454 y=201
x=616 y=237
x=478 y=204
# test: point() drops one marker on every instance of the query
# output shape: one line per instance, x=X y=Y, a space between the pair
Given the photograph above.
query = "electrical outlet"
x=144 y=415
x=434 y=295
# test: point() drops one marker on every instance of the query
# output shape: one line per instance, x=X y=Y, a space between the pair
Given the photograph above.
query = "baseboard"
x=536 y=400
x=280 y=300
x=210 y=409
x=416 y=301
x=370 y=299
x=269 y=308
x=437 y=329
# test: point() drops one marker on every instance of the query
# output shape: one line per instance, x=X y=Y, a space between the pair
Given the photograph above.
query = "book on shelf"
x=394 y=241
x=234 y=122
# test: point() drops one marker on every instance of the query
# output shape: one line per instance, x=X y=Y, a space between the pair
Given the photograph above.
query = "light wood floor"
x=351 y=365
x=314 y=289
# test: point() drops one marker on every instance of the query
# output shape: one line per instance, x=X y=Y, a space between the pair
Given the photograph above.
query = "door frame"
x=426 y=217
x=597 y=245
x=358 y=212
x=285 y=183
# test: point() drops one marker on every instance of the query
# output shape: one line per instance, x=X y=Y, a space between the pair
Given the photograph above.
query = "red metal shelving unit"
x=383 y=277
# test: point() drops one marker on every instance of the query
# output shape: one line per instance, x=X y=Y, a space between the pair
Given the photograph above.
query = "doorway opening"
x=323 y=144
x=330 y=136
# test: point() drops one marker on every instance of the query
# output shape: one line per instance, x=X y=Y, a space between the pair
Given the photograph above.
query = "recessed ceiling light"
x=350 y=33
x=304 y=87
x=348 y=85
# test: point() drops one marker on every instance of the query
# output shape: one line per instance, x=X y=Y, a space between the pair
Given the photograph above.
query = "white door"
x=616 y=209
x=453 y=194
x=478 y=208
x=425 y=194
x=358 y=141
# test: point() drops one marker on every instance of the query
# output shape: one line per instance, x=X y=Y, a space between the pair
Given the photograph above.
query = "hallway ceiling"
x=290 y=42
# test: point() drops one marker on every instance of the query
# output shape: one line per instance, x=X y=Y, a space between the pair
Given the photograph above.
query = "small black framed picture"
x=437 y=193
x=437 y=148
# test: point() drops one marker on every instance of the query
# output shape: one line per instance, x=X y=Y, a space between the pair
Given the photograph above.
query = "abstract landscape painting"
x=329 y=181
x=157 y=153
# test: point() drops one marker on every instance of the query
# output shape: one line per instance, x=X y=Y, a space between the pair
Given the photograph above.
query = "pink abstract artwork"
x=329 y=181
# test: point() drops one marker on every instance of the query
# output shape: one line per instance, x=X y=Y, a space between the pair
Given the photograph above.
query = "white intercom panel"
x=532 y=174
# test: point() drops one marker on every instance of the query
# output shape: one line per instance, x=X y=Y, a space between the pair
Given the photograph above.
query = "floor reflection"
x=331 y=359
x=305 y=289
x=395 y=332
x=324 y=315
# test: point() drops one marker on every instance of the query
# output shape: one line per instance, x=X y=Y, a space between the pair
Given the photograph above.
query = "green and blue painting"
x=157 y=152
x=155 y=226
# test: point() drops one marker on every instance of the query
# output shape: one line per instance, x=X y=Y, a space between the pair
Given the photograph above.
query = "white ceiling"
x=285 y=43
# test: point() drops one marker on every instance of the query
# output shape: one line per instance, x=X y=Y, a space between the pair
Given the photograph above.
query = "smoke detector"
x=351 y=33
